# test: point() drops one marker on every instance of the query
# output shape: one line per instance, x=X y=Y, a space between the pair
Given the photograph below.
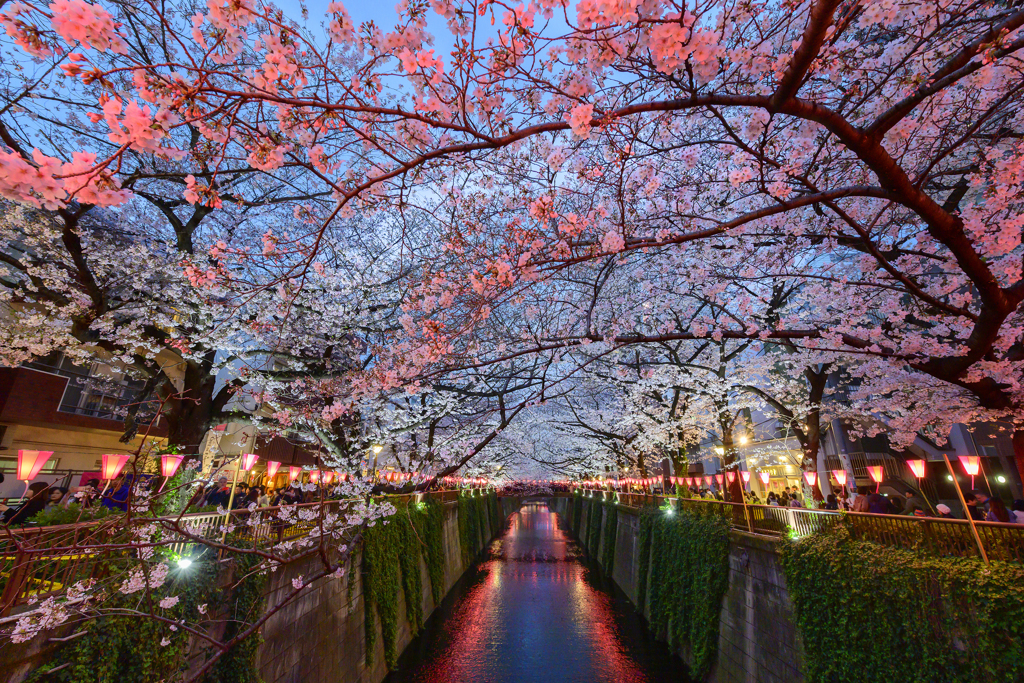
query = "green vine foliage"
x=475 y=523
x=644 y=544
x=594 y=528
x=899 y=615
x=611 y=528
x=428 y=520
x=577 y=511
x=687 y=580
x=115 y=649
x=391 y=564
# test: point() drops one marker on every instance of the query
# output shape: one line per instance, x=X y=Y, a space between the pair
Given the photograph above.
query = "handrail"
x=36 y=562
x=938 y=536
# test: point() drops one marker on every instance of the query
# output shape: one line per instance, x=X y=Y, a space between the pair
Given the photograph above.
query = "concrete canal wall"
x=758 y=639
x=321 y=637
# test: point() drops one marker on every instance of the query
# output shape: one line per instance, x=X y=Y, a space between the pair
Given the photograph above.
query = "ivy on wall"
x=899 y=615
x=687 y=579
x=611 y=527
x=594 y=528
x=391 y=553
x=428 y=520
x=115 y=649
x=475 y=523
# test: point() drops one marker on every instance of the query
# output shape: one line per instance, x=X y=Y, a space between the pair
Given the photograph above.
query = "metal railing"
x=937 y=536
x=37 y=562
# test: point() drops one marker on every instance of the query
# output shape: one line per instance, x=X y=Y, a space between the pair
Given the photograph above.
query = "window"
x=96 y=390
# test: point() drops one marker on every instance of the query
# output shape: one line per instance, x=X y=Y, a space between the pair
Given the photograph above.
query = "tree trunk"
x=1018 y=453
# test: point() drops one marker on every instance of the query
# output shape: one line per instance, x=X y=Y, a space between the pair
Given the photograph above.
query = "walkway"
x=533 y=610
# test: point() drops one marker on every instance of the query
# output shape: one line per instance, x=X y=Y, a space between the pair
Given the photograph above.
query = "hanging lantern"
x=294 y=473
x=811 y=478
x=840 y=477
x=972 y=465
x=327 y=478
x=876 y=474
x=113 y=463
x=720 y=478
x=248 y=460
x=30 y=463
x=730 y=476
x=314 y=476
x=745 y=476
x=765 y=477
x=169 y=464
x=917 y=467
x=272 y=467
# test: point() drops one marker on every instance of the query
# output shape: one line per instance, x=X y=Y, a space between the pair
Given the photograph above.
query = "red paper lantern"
x=314 y=476
x=272 y=467
x=811 y=478
x=972 y=465
x=113 y=463
x=30 y=463
x=745 y=476
x=917 y=467
x=876 y=474
x=294 y=473
x=327 y=478
x=840 y=477
x=731 y=476
x=720 y=478
x=169 y=464
x=248 y=460
x=765 y=477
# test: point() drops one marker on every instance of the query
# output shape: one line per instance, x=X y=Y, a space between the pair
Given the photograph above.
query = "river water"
x=535 y=609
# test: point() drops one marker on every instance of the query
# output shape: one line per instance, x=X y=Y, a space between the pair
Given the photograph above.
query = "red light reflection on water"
x=533 y=616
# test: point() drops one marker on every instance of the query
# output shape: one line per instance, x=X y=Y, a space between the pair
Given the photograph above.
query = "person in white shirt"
x=1018 y=511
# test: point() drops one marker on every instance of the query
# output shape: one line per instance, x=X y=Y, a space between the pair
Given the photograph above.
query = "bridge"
x=506 y=588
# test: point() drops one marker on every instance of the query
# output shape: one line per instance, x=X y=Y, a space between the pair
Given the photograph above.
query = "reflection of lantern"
x=294 y=473
x=972 y=465
x=811 y=478
x=840 y=476
x=875 y=471
x=731 y=476
x=30 y=463
x=113 y=463
x=169 y=464
x=248 y=460
x=765 y=477
x=272 y=467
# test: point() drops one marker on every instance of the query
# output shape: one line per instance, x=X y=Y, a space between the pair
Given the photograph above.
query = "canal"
x=535 y=609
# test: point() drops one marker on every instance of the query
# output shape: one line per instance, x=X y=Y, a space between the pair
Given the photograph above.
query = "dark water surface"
x=534 y=609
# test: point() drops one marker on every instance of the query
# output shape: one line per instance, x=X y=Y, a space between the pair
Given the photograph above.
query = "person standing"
x=973 y=509
x=861 y=504
x=914 y=505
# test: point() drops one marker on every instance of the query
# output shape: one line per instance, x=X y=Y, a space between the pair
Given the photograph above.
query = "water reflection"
x=534 y=610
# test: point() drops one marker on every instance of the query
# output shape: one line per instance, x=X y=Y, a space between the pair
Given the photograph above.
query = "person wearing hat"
x=944 y=511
